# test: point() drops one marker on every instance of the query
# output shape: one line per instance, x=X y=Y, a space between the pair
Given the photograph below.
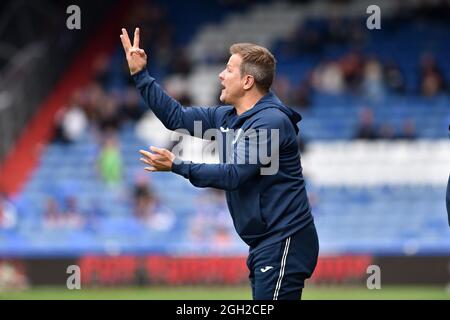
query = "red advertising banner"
x=205 y=270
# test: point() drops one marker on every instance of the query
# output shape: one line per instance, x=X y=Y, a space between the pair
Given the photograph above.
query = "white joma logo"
x=224 y=130
x=265 y=269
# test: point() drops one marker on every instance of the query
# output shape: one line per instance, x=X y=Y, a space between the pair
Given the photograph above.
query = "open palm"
x=136 y=57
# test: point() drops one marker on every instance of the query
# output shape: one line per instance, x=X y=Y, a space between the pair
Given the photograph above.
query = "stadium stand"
x=379 y=197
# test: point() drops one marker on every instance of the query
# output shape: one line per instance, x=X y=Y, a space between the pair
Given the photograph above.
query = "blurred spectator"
x=94 y=96
x=309 y=41
x=408 y=130
x=185 y=99
x=314 y=200
x=356 y=36
x=67 y=216
x=387 y=132
x=395 y=80
x=366 y=128
x=130 y=110
x=151 y=130
x=180 y=63
x=301 y=96
x=337 y=31
x=148 y=209
x=431 y=78
x=328 y=78
x=351 y=66
x=313 y=196
x=12 y=277
x=177 y=86
x=108 y=114
x=71 y=122
x=102 y=70
x=143 y=196
x=159 y=217
x=110 y=161
x=73 y=218
x=282 y=88
x=221 y=237
x=212 y=221
x=163 y=46
x=302 y=143
x=8 y=213
x=373 y=86
x=52 y=215
x=431 y=84
x=92 y=214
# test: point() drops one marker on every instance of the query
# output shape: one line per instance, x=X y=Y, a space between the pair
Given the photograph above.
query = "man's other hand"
x=136 y=57
x=159 y=160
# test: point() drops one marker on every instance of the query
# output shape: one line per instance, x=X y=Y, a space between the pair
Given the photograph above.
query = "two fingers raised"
x=126 y=42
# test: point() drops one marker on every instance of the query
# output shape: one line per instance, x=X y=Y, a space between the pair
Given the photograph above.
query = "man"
x=448 y=192
x=267 y=199
x=448 y=200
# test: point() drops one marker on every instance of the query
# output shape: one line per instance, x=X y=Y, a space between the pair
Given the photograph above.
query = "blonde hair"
x=258 y=62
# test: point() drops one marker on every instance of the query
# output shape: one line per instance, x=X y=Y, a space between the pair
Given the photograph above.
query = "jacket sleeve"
x=169 y=111
x=255 y=153
x=448 y=200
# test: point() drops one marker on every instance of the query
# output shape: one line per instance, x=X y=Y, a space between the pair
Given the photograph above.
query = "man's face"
x=231 y=80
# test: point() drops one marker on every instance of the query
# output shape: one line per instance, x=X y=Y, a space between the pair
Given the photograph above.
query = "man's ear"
x=248 y=82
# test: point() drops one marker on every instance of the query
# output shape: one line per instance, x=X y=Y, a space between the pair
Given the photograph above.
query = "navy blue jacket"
x=448 y=200
x=265 y=208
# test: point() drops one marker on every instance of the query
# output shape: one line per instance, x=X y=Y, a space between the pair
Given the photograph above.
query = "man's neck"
x=247 y=102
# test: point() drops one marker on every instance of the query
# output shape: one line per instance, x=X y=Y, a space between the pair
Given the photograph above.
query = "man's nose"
x=221 y=76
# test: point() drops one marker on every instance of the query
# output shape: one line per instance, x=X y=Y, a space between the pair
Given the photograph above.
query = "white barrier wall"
x=421 y=162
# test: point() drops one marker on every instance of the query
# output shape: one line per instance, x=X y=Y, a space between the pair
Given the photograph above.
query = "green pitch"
x=229 y=293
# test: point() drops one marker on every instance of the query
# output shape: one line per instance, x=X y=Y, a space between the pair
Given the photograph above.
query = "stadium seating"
x=354 y=213
x=366 y=197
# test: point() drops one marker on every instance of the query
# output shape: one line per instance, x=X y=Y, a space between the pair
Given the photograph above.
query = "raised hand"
x=159 y=160
x=136 y=57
